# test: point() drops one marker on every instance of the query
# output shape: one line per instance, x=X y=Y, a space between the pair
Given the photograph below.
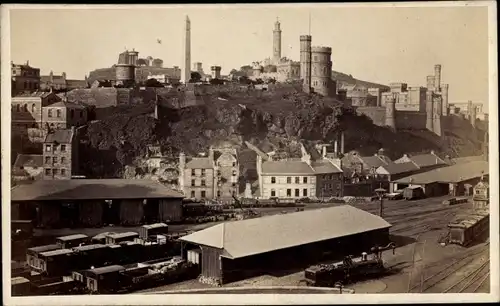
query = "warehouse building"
x=95 y=202
x=454 y=180
x=240 y=249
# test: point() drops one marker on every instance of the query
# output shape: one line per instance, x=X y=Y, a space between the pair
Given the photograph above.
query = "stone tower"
x=390 y=112
x=215 y=70
x=429 y=107
x=187 y=51
x=430 y=82
x=437 y=78
x=444 y=95
x=321 y=70
x=276 y=42
x=305 y=61
x=436 y=115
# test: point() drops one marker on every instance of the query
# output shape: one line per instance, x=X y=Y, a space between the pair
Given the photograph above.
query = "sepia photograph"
x=249 y=154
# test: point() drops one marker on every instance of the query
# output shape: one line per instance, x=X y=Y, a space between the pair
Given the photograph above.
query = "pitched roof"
x=372 y=161
x=244 y=238
x=66 y=104
x=467 y=159
x=108 y=269
x=325 y=166
x=286 y=167
x=199 y=163
x=45 y=248
x=59 y=136
x=88 y=189
x=72 y=237
x=394 y=168
x=28 y=160
x=449 y=174
x=36 y=94
x=426 y=160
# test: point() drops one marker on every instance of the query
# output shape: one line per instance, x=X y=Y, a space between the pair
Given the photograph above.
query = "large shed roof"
x=91 y=189
x=450 y=174
x=270 y=233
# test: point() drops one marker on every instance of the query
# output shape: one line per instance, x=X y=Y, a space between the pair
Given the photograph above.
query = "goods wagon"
x=413 y=193
x=470 y=227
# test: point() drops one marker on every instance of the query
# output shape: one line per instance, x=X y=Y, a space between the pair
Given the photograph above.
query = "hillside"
x=349 y=79
x=280 y=119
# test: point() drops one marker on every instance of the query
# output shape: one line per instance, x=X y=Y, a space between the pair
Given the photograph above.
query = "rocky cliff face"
x=281 y=120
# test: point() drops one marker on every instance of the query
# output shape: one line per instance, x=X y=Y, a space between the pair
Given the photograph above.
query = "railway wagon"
x=469 y=228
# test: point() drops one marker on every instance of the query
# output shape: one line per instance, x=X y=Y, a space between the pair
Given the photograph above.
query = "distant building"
x=481 y=196
x=27 y=108
x=60 y=82
x=212 y=177
x=164 y=79
x=60 y=155
x=64 y=115
x=24 y=78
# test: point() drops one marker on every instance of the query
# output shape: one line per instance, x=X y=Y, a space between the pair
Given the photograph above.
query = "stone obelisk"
x=187 y=52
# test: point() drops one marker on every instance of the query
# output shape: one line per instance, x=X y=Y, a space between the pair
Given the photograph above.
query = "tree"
x=153 y=83
x=195 y=77
x=216 y=82
x=233 y=71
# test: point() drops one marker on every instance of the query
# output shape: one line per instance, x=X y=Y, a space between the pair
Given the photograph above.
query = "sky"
x=377 y=44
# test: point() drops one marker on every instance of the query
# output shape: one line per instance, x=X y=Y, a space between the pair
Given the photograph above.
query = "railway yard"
x=421 y=263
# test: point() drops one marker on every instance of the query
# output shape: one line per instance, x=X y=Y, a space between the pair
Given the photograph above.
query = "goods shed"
x=241 y=249
x=455 y=180
x=95 y=202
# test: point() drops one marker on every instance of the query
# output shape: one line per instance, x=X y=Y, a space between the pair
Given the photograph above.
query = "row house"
x=210 y=177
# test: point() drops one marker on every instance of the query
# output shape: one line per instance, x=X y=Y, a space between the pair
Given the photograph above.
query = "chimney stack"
x=437 y=78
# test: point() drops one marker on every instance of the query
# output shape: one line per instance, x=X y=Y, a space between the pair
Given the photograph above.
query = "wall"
x=281 y=186
x=227 y=165
x=410 y=120
x=377 y=114
x=57 y=160
x=329 y=185
x=100 y=97
x=209 y=183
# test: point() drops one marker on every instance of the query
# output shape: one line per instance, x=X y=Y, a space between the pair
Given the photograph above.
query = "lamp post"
x=380 y=193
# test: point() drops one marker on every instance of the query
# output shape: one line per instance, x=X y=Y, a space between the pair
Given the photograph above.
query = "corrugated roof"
x=269 y=233
x=108 y=269
x=72 y=237
x=286 y=167
x=394 y=168
x=449 y=174
x=28 y=160
x=325 y=166
x=199 y=163
x=89 y=189
x=59 y=136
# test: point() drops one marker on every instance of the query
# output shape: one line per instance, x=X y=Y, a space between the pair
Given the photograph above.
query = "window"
x=63 y=148
x=304 y=192
x=305 y=180
x=289 y=192
x=234 y=172
x=297 y=180
x=273 y=192
x=273 y=180
x=54 y=160
x=193 y=183
x=25 y=107
x=203 y=194
x=72 y=113
x=55 y=171
x=218 y=193
x=203 y=183
x=47 y=148
x=234 y=164
x=193 y=172
x=47 y=171
x=81 y=114
x=33 y=108
x=234 y=184
x=218 y=173
x=49 y=113
x=63 y=160
x=297 y=192
x=193 y=194
x=18 y=108
x=58 y=113
x=202 y=172
x=63 y=171
x=288 y=180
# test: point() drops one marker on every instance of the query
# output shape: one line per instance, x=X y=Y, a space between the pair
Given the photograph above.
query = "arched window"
x=18 y=107
x=25 y=107
x=33 y=108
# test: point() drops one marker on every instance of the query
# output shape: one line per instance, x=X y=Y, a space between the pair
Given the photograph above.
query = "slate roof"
x=394 y=168
x=88 y=189
x=269 y=233
x=199 y=163
x=59 y=136
x=450 y=174
x=28 y=160
x=291 y=167
x=325 y=166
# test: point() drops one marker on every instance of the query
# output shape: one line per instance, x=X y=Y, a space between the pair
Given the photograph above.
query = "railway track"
x=431 y=282
x=471 y=282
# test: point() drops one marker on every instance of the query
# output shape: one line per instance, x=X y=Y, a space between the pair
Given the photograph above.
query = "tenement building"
x=60 y=155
